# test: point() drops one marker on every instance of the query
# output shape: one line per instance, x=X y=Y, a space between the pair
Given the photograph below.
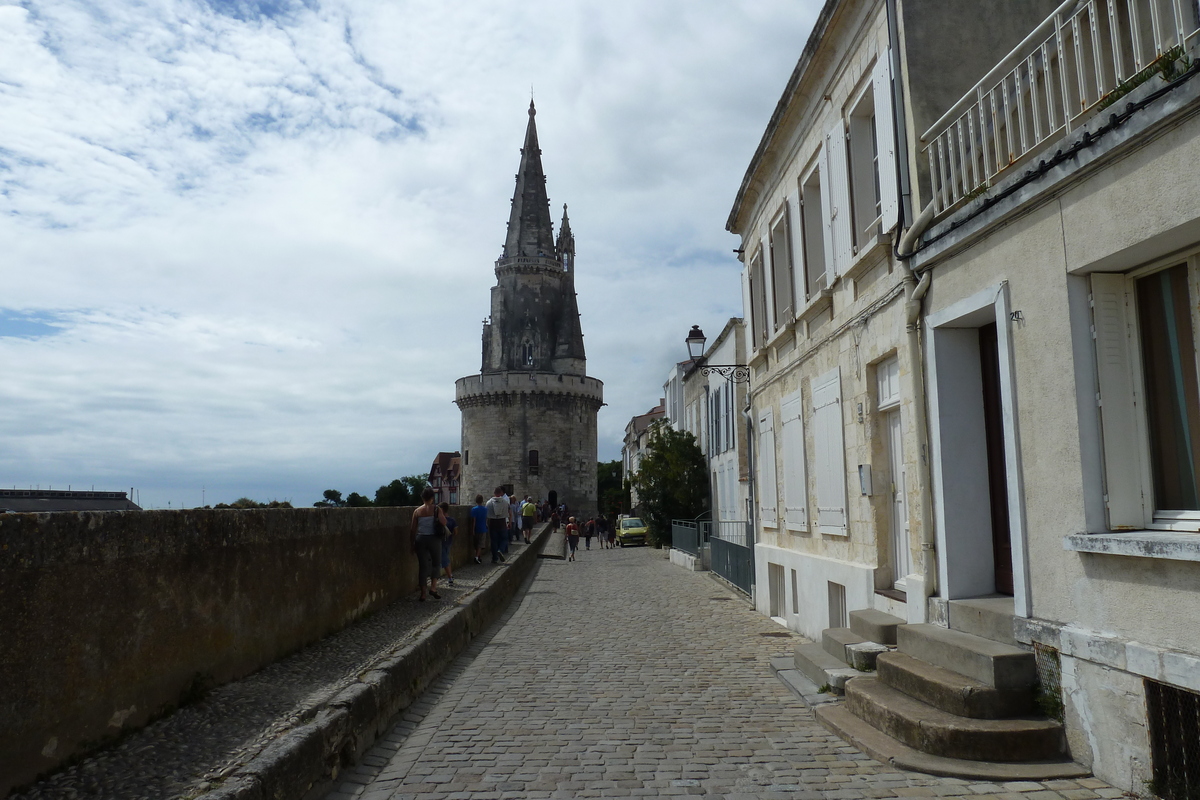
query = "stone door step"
x=951 y=692
x=989 y=617
x=821 y=668
x=875 y=626
x=1000 y=666
x=800 y=684
x=878 y=745
x=933 y=731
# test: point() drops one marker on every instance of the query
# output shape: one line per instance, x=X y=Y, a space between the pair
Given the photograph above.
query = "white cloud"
x=269 y=227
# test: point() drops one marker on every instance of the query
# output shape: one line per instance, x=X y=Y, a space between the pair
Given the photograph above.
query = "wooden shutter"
x=885 y=141
x=1111 y=322
x=768 y=490
x=837 y=211
x=795 y=478
x=829 y=457
x=768 y=267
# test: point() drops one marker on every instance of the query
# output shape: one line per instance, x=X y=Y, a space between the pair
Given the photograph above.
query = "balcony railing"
x=1086 y=53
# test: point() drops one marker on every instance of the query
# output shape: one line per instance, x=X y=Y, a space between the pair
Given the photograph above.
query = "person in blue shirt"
x=479 y=527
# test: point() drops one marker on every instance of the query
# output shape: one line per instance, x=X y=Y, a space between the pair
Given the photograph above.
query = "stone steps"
x=1000 y=666
x=883 y=748
x=951 y=692
x=931 y=730
x=823 y=669
x=875 y=626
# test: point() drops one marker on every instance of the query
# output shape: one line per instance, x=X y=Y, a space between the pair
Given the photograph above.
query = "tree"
x=612 y=494
x=404 y=491
x=672 y=480
x=356 y=500
x=333 y=498
x=246 y=502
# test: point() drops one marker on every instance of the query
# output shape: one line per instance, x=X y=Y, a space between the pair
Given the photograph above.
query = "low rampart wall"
x=110 y=619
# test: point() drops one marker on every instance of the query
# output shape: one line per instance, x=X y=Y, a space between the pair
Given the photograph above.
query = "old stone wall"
x=110 y=619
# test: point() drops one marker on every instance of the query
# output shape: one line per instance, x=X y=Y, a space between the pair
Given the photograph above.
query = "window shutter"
x=829 y=458
x=795 y=221
x=1118 y=402
x=747 y=306
x=885 y=141
x=795 y=479
x=768 y=262
x=837 y=211
x=768 y=490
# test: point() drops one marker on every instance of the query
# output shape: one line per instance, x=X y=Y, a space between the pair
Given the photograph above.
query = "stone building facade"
x=529 y=416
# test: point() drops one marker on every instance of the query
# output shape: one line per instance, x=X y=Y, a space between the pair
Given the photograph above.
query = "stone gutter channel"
x=286 y=732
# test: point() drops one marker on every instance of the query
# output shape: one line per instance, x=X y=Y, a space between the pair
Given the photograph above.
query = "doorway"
x=976 y=451
x=901 y=548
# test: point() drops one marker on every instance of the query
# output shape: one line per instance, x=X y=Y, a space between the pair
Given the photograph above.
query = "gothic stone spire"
x=530 y=231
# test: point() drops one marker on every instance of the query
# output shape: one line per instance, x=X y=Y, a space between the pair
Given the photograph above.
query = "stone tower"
x=529 y=416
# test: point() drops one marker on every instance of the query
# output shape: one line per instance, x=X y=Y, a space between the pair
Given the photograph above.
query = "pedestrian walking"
x=426 y=541
x=513 y=525
x=447 y=541
x=612 y=536
x=497 y=517
x=572 y=538
x=527 y=517
x=555 y=521
x=479 y=527
x=589 y=530
x=601 y=530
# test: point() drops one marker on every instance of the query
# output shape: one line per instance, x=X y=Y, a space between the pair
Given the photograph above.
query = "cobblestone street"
x=621 y=675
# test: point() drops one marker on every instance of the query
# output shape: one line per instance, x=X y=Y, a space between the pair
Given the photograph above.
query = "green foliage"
x=612 y=492
x=404 y=491
x=246 y=502
x=356 y=500
x=333 y=498
x=672 y=481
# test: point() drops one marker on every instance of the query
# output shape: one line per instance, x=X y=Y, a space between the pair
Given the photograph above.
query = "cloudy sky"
x=247 y=246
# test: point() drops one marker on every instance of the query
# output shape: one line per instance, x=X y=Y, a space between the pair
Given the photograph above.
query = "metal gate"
x=732 y=553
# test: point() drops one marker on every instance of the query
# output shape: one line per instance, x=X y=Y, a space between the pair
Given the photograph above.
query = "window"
x=533 y=462
x=527 y=354
x=768 y=490
x=829 y=457
x=812 y=224
x=780 y=245
x=758 y=302
x=1144 y=328
x=864 y=170
x=795 y=479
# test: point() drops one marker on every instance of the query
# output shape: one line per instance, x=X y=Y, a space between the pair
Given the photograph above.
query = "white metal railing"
x=728 y=530
x=1084 y=52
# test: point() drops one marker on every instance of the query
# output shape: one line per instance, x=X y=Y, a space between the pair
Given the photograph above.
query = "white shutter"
x=837 y=211
x=885 y=138
x=795 y=479
x=747 y=307
x=829 y=458
x=1118 y=404
x=768 y=287
x=799 y=290
x=768 y=490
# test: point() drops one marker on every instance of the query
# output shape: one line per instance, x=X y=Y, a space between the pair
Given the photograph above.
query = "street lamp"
x=734 y=373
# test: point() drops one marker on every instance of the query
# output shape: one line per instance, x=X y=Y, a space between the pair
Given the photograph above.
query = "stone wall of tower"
x=506 y=415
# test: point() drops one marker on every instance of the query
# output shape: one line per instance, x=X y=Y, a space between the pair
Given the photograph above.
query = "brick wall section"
x=109 y=619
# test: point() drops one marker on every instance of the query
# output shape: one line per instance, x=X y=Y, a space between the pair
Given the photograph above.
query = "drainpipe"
x=912 y=317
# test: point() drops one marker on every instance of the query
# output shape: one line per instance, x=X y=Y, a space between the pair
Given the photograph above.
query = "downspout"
x=916 y=358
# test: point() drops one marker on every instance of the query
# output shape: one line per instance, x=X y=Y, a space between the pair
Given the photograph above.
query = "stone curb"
x=342 y=730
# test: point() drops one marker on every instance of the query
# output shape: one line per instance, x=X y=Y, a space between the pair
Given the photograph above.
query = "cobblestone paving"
x=180 y=754
x=621 y=675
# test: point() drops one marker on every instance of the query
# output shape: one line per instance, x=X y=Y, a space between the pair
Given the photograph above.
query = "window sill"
x=1170 y=545
x=869 y=255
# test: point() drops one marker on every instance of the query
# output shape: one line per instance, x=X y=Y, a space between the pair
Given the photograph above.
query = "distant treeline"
x=404 y=491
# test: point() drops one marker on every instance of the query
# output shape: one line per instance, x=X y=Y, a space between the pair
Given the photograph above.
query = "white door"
x=901 y=552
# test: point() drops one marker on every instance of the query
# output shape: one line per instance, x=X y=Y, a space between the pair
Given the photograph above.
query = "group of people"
x=493 y=526
x=596 y=527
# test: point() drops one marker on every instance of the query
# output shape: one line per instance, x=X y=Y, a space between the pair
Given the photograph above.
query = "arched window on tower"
x=533 y=462
x=527 y=355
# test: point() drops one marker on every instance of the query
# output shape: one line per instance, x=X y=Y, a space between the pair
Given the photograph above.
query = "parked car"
x=631 y=530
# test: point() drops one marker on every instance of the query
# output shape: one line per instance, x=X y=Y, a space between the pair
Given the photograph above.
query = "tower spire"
x=530 y=231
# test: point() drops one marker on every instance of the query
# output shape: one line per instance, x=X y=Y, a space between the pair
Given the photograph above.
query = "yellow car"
x=631 y=530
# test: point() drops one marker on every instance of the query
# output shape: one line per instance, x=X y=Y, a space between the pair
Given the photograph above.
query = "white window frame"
x=810 y=189
x=1120 y=391
x=829 y=454
x=779 y=244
